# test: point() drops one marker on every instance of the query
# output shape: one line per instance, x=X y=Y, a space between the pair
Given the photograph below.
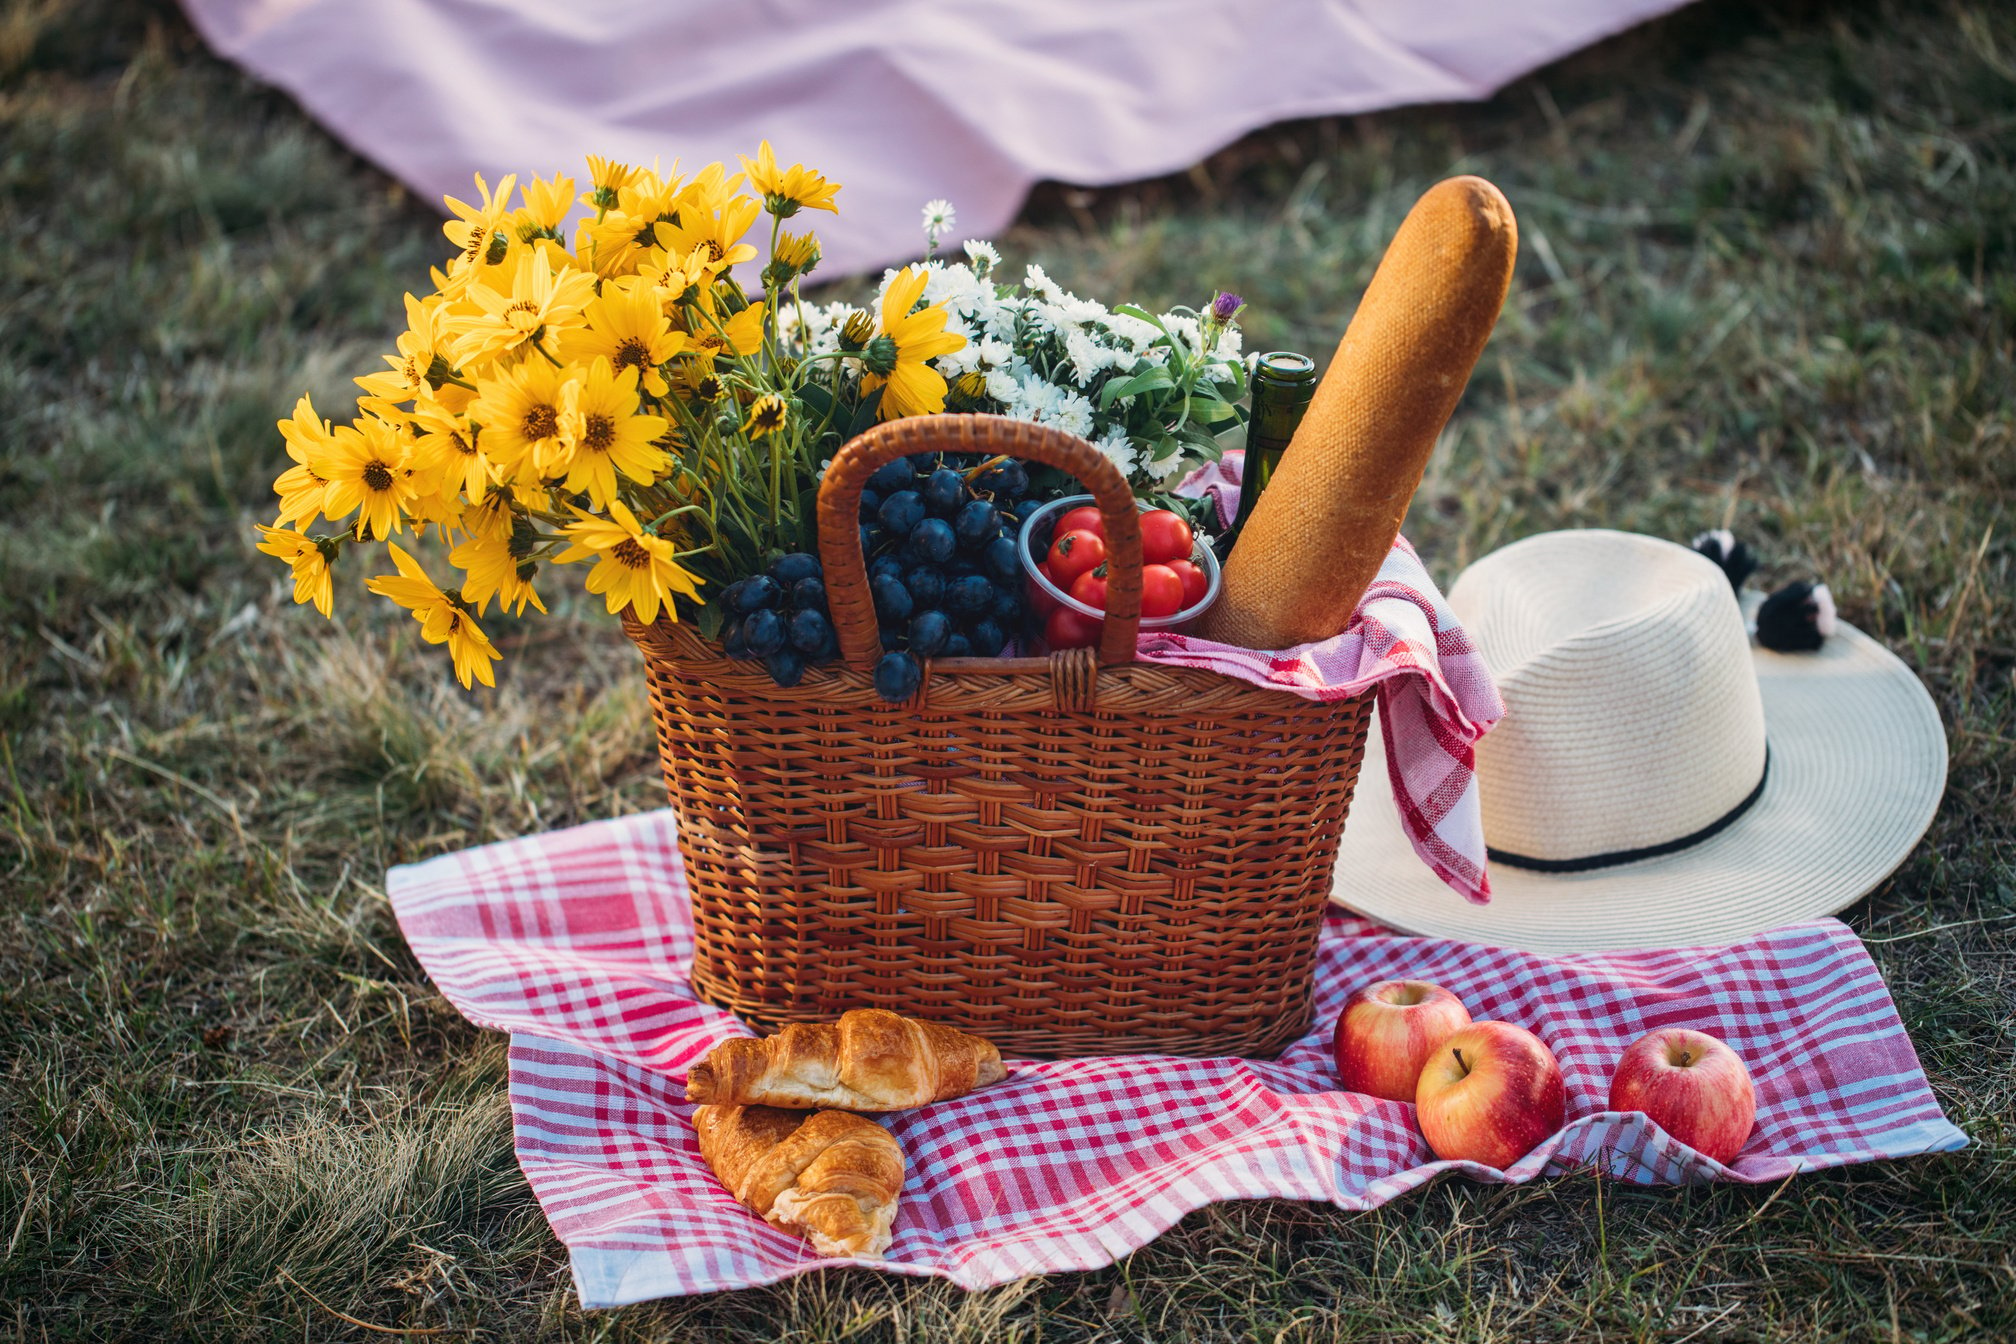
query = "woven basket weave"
x=1068 y=855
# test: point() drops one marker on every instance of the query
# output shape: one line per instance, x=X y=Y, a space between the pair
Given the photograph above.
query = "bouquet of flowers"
x=622 y=401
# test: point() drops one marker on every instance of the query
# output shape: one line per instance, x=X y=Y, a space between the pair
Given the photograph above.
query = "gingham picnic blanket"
x=578 y=943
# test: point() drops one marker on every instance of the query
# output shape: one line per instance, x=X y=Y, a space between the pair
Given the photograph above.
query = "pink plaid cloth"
x=578 y=944
x=1436 y=697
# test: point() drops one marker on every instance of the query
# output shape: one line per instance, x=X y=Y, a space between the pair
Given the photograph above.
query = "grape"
x=1008 y=607
x=902 y=511
x=760 y=593
x=970 y=593
x=808 y=630
x=958 y=647
x=788 y=569
x=928 y=632
x=763 y=632
x=897 y=677
x=786 y=666
x=809 y=593
x=926 y=585
x=933 y=540
x=1010 y=478
x=977 y=523
x=870 y=504
x=892 y=599
x=988 y=638
x=1001 y=561
x=922 y=464
x=884 y=565
x=891 y=477
x=944 y=492
x=731 y=640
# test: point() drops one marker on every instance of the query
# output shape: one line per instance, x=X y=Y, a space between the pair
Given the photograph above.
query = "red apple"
x=1387 y=1031
x=1490 y=1094
x=1692 y=1086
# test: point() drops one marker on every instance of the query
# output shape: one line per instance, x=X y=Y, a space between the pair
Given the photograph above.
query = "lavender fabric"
x=900 y=100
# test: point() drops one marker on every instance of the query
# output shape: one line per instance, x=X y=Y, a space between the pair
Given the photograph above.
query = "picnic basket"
x=1073 y=854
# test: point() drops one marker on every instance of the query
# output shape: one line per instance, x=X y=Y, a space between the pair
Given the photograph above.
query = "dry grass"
x=1768 y=281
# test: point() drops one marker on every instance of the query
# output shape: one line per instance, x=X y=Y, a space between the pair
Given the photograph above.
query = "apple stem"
x=1686 y=1058
x=1457 y=1051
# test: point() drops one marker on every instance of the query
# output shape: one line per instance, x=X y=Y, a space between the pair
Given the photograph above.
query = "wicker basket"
x=1069 y=855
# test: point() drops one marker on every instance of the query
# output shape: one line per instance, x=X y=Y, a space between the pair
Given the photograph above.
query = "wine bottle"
x=1283 y=382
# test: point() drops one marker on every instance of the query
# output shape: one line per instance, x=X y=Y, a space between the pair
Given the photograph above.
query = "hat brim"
x=1858 y=766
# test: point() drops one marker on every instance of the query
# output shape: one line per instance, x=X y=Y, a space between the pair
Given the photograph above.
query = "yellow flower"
x=369 y=466
x=716 y=235
x=540 y=297
x=895 y=360
x=492 y=567
x=520 y=413
x=545 y=210
x=609 y=178
x=474 y=230
x=447 y=447
x=767 y=415
x=695 y=381
x=710 y=189
x=794 y=188
x=605 y=434
x=795 y=255
x=442 y=619
x=676 y=276
x=301 y=486
x=741 y=334
x=307 y=559
x=632 y=568
x=422 y=358
x=630 y=329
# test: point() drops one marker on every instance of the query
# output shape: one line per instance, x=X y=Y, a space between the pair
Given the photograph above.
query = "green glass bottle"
x=1283 y=383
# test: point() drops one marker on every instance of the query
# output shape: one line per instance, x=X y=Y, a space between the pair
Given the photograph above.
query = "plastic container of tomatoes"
x=1040 y=533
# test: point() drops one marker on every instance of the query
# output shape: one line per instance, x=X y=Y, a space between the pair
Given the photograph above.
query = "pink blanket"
x=900 y=100
x=578 y=944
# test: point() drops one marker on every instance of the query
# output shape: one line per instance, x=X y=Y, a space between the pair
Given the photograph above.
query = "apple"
x=1489 y=1094
x=1387 y=1031
x=1692 y=1086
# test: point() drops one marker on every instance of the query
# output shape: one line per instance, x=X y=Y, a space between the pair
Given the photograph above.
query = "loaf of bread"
x=1318 y=536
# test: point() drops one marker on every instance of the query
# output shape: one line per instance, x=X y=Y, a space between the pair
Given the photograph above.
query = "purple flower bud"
x=1225 y=307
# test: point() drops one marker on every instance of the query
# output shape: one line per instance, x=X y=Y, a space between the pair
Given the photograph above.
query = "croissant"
x=830 y=1176
x=870 y=1060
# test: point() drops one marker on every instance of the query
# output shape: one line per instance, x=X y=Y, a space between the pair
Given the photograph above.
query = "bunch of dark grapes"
x=780 y=617
x=938 y=531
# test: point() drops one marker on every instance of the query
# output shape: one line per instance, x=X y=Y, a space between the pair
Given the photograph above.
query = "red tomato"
x=1084 y=516
x=1164 y=537
x=1091 y=588
x=1074 y=553
x=1066 y=629
x=1195 y=581
x=1161 y=591
x=1040 y=600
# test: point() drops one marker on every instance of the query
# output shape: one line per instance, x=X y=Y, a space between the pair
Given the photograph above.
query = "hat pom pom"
x=1797 y=618
x=1729 y=554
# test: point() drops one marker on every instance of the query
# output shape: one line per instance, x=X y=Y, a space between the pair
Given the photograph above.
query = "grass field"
x=1766 y=282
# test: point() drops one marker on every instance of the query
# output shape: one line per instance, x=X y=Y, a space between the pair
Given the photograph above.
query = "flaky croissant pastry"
x=870 y=1060
x=828 y=1176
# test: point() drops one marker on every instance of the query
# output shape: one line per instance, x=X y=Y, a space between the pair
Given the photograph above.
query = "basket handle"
x=847 y=595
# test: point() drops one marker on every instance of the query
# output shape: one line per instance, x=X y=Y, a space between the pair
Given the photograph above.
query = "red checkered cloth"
x=578 y=944
x=1435 y=696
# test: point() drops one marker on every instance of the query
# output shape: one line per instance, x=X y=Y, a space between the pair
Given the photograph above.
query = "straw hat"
x=1657 y=781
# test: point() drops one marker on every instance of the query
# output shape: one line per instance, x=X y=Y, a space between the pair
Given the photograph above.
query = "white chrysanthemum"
x=1003 y=386
x=982 y=257
x=1227 y=352
x=1071 y=413
x=1136 y=334
x=1119 y=450
x=993 y=353
x=1039 y=285
x=1184 y=329
x=939 y=217
x=1166 y=469
x=950 y=285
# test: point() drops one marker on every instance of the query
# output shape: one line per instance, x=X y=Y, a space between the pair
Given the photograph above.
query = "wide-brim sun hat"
x=1658 y=780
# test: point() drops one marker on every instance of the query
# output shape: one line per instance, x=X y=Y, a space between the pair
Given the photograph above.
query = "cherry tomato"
x=1066 y=629
x=1164 y=537
x=1073 y=553
x=1084 y=516
x=1161 y=591
x=1091 y=588
x=1040 y=600
x=1195 y=581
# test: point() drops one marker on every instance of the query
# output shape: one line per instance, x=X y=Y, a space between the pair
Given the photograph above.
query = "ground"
x=1766 y=282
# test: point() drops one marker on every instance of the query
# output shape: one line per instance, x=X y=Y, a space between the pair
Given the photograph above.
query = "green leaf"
x=1154 y=376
